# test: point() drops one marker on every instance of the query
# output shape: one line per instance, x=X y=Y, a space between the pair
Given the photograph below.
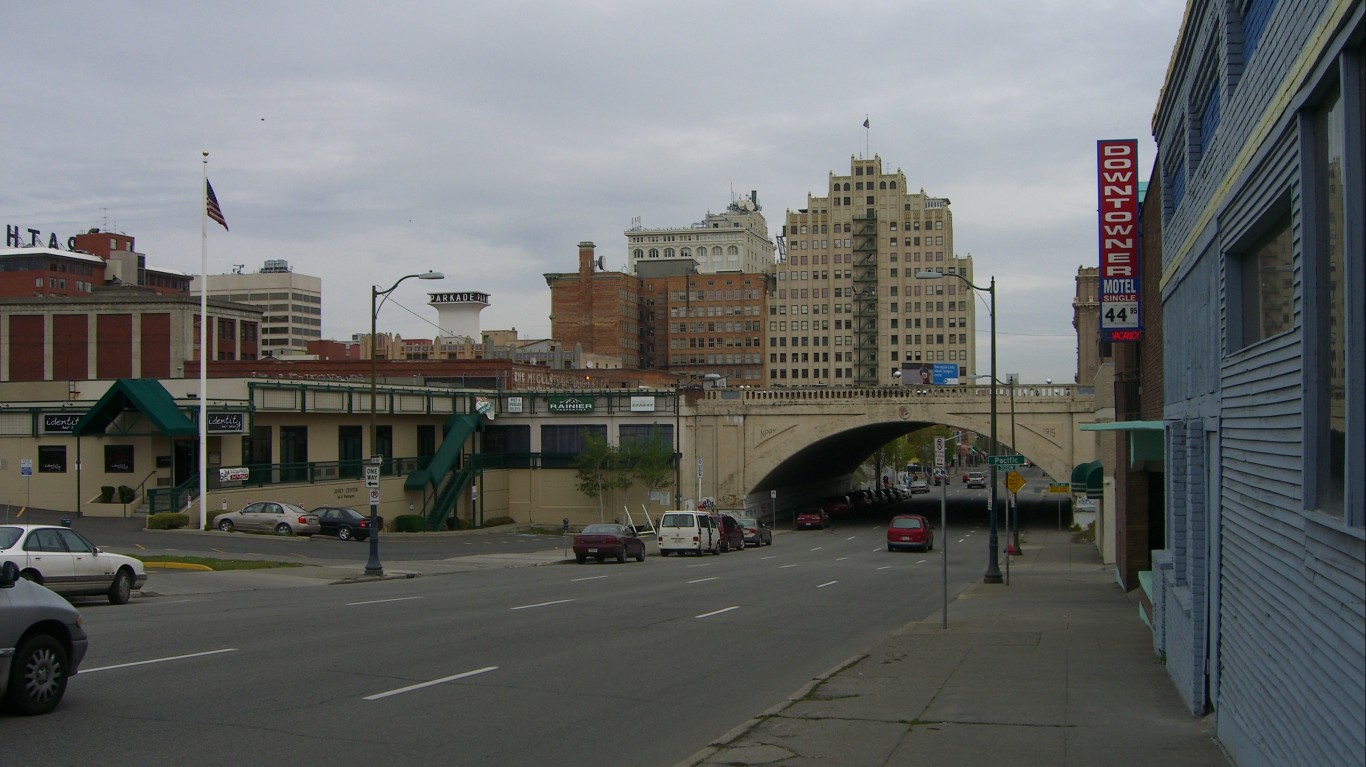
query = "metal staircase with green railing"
x=442 y=476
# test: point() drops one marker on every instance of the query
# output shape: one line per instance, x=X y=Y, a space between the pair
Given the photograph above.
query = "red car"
x=608 y=540
x=909 y=531
x=837 y=506
x=732 y=533
x=813 y=519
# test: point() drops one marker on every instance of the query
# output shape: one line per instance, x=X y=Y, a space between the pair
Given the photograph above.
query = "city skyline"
x=360 y=145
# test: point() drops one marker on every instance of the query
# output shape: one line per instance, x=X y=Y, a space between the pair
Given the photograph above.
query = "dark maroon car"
x=608 y=540
x=345 y=523
x=813 y=519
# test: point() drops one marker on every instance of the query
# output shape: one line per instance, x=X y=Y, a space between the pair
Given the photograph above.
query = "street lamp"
x=896 y=377
x=993 y=573
x=373 y=567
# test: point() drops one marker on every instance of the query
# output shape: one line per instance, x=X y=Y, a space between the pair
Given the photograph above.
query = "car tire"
x=641 y=556
x=283 y=529
x=344 y=533
x=225 y=525
x=38 y=675
x=621 y=555
x=580 y=558
x=121 y=590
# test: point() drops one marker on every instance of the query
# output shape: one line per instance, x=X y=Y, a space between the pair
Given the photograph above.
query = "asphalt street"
x=642 y=662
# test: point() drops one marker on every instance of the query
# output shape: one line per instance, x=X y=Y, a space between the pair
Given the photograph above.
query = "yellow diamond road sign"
x=1014 y=481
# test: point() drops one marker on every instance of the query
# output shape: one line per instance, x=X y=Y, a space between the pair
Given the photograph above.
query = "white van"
x=683 y=531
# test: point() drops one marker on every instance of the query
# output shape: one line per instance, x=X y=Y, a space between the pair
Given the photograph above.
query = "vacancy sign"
x=1117 y=171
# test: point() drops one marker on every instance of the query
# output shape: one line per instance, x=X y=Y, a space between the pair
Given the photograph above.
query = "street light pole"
x=993 y=572
x=373 y=566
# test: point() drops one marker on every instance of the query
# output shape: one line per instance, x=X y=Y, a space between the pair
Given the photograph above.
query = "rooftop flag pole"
x=867 y=152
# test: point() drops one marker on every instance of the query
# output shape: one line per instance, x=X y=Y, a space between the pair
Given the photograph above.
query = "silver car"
x=66 y=562
x=269 y=516
x=41 y=643
x=757 y=532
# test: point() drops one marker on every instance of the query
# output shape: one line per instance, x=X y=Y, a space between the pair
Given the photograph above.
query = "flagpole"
x=204 y=347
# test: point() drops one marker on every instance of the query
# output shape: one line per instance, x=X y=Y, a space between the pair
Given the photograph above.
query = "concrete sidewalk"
x=1054 y=669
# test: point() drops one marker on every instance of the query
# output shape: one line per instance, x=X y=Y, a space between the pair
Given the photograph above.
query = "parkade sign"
x=1117 y=171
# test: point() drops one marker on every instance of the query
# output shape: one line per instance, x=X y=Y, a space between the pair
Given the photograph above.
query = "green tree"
x=599 y=469
x=649 y=462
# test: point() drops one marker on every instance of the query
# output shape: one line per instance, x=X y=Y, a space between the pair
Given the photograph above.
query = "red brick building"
x=118 y=333
x=598 y=311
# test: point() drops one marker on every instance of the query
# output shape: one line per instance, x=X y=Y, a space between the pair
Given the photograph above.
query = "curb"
x=175 y=566
x=730 y=736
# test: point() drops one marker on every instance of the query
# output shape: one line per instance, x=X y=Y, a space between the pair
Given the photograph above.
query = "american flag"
x=211 y=203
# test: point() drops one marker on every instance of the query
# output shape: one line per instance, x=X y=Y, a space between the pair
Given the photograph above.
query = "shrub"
x=168 y=520
x=106 y=494
x=126 y=494
x=499 y=522
x=409 y=523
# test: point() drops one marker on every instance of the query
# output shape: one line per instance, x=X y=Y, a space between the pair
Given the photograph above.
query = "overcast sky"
x=365 y=141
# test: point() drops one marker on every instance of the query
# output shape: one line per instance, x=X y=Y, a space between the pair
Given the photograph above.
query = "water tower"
x=458 y=313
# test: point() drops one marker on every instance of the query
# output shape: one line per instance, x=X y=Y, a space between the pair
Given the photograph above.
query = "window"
x=1326 y=275
x=1256 y=13
x=52 y=459
x=1262 y=282
x=118 y=459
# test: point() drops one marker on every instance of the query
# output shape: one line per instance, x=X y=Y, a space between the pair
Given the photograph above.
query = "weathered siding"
x=1259 y=592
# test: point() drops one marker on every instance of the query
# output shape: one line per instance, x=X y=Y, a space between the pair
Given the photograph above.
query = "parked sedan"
x=757 y=532
x=68 y=563
x=919 y=486
x=269 y=516
x=813 y=519
x=345 y=523
x=608 y=540
x=41 y=644
x=909 y=531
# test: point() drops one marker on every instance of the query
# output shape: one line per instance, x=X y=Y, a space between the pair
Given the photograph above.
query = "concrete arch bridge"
x=807 y=443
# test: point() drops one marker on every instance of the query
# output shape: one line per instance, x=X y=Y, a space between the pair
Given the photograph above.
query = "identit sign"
x=1117 y=171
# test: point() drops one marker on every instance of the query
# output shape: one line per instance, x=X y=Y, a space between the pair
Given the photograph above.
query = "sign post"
x=943 y=530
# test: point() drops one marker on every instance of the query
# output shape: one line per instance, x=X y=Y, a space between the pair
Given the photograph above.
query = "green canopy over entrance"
x=145 y=395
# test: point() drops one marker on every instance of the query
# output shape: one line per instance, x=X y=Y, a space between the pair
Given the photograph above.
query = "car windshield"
x=604 y=530
x=8 y=536
x=906 y=523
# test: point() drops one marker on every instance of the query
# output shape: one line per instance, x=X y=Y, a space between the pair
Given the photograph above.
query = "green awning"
x=1089 y=478
x=1145 y=438
x=144 y=395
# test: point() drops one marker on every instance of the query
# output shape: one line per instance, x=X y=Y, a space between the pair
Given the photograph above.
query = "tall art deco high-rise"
x=847 y=308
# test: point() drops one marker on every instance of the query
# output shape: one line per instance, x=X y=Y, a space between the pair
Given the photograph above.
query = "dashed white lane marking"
x=157 y=660
x=541 y=604
x=380 y=601
x=587 y=578
x=827 y=583
x=923 y=561
x=885 y=567
x=704 y=580
x=783 y=567
x=421 y=685
x=717 y=612
x=840 y=559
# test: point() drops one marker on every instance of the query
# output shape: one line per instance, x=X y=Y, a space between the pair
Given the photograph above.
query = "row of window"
x=118 y=459
x=846 y=228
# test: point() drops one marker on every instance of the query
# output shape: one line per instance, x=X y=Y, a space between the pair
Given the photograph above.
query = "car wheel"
x=641 y=556
x=283 y=529
x=580 y=558
x=225 y=525
x=343 y=533
x=122 y=587
x=37 y=675
x=889 y=547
